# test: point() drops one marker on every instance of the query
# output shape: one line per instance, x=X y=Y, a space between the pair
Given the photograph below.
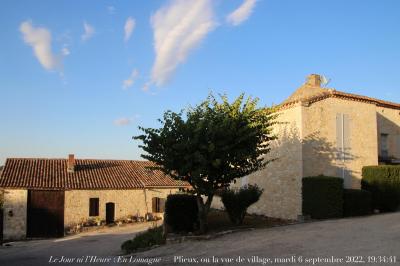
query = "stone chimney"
x=71 y=163
x=314 y=80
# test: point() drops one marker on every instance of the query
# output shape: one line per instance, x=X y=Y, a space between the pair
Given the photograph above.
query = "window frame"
x=94 y=204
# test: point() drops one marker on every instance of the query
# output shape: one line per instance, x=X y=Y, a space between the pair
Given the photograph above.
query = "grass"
x=151 y=237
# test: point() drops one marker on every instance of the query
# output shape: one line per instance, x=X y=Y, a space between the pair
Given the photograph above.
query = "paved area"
x=96 y=245
x=332 y=240
x=317 y=243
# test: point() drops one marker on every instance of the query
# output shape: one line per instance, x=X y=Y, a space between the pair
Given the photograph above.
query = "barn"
x=46 y=197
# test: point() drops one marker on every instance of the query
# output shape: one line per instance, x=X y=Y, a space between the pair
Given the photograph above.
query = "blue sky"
x=80 y=76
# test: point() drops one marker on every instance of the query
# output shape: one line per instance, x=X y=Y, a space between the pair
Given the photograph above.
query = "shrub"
x=383 y=182
x=356 y=202
x=236 y=201
x=153 y=236
x=322 y=197
x=181 y=212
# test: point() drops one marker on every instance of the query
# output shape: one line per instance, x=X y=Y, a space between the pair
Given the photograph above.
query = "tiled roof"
x=332 y=93
x=88 y=174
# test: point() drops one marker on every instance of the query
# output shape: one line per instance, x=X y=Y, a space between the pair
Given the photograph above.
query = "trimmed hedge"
x=236 y=201
x=357 y=202
x=181 y=212
x=322 y=197
x=383 y=182
x=153 y=236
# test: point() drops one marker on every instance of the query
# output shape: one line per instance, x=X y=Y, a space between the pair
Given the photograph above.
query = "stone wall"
x=389 y=123
x=14 y=223
x=281 y=179
x=320 y=150
x=127 y=202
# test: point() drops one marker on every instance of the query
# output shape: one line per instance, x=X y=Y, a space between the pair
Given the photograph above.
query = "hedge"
x=149 y=238
x=356 y=202
x=322 y=197
x=236 y=201
x=181 y=212
x=383 y=182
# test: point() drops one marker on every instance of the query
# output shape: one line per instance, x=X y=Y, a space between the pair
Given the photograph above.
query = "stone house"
x=44 y=197
x=323 y=131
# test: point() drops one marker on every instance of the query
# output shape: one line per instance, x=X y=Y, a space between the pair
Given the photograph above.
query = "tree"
x=210 y=145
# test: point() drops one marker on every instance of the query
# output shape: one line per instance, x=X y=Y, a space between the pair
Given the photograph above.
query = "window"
x=94 y=207
x=343 y=136
x=384 y=145
x=158 y=204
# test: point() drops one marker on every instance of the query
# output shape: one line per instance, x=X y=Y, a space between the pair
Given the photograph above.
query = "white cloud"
x=129 y=27
x=65 y=51
x=242 y=13
x=123 y=121
x=131 y=79
x=40 y=41
x=111 y=10
x=177 y=29
x=88 y=31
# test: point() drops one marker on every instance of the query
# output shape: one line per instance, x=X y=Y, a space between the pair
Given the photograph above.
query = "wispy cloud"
x=131 y=79
x=111 y=10
x=129 y=27
x=65 y=51
x=123 y=121
x=242 y=13
x=88 y=31
x=178 y=28
x=39 y=39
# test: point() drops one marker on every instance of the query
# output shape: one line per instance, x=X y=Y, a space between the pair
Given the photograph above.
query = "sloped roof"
x=310 y=94
x=88 y=174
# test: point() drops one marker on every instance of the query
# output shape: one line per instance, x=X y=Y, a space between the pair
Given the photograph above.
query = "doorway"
x=110 y=212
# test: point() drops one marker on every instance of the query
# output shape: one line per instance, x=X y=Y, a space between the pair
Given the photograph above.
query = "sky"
x=81 y=76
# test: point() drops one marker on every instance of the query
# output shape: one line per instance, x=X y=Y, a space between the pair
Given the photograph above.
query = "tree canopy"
x=212 y=144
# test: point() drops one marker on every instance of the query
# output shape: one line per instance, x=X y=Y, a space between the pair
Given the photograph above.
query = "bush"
x=181 y=212
x=322 y=197
x=236 y=201
x=356 y=202
x=153 y=236
x=383 y=182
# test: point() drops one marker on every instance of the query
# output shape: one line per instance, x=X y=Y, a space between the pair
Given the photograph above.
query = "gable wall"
x=320 y=150
x=281 y=179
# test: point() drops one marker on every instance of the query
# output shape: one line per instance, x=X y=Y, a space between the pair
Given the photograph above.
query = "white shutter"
x=346 y=136
x=339 y=140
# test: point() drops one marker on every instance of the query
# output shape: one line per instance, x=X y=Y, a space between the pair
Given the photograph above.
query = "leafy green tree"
x=210 y=145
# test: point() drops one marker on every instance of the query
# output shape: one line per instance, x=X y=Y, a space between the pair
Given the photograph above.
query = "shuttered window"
x=158 y=204
x=343 y=136
x=384 y=145
x=94 y=207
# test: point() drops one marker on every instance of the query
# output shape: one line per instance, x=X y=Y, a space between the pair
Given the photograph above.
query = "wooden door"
x=45 y=213
x=110 y=212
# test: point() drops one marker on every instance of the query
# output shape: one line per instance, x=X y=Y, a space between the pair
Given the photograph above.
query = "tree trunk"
x=204 y=208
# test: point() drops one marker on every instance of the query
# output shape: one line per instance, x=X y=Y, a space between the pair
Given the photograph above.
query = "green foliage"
x=210 y=145
x=181 y=212
x=356 y=202
x=322 y=197
x=152 y=237
x=383 y=182
x=236 y=201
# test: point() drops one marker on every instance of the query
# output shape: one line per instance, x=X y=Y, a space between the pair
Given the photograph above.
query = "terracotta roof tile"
x=88 y=174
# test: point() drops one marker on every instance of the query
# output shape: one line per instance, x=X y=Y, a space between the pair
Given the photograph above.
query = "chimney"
x=314 y=80
x=71 y=163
